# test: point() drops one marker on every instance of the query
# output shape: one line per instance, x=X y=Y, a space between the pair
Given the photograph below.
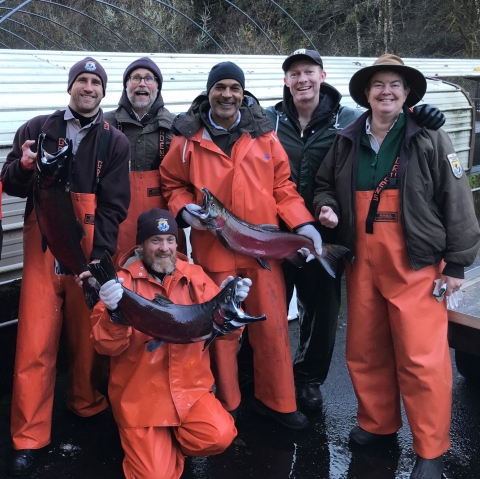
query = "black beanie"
x=87 y=65
x=144 y=62
x=155 y=222
x=225 y=71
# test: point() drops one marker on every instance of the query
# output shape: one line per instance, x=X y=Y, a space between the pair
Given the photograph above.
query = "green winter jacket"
x=306 y=153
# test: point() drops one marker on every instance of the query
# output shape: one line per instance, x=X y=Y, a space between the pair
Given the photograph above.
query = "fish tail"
x=331 y=254
x=103 y=271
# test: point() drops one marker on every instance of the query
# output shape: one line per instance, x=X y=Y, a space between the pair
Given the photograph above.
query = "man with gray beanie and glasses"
x=226 y=144
x=99 y=183
x=141 y=115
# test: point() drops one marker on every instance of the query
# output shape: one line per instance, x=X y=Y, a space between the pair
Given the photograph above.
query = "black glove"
x=429 y=116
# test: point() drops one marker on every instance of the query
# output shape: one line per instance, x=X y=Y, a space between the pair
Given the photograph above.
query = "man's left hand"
x=86 y=274
x=429 y=116
x=453 y=284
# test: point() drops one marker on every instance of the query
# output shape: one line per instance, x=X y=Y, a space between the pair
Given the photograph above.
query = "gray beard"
x=139 y=103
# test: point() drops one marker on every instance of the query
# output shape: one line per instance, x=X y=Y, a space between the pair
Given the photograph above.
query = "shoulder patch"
x=455 y=164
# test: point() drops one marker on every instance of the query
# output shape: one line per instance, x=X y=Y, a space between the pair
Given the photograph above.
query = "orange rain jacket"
x=253 y=183
x=157 y=388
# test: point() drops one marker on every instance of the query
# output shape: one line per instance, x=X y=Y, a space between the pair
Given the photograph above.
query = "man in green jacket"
x=306 y=122
x=145 y=121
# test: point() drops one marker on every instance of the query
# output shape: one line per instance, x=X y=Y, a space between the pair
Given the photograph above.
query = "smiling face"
x=225 y=99
x=159 y=252
x=86 y=93
x=141 y=95
x=387 y=93
x=304 y=78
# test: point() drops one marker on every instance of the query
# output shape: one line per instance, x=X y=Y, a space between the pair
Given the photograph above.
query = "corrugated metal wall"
x=34 y=83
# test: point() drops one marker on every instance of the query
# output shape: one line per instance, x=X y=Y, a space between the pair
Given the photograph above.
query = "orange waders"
x=272 y=361
x=47 y=300
x=145 y=195
x=159 y=452
x=397 y=333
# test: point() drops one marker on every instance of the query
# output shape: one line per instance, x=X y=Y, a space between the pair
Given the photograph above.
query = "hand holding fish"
x=311 y=233
x=111 y=293
x=241 y=289
x=28 y=158
x=190 y=219
x=328 y=217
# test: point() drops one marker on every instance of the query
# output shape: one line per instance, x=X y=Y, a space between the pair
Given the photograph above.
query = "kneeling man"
x=162 y=400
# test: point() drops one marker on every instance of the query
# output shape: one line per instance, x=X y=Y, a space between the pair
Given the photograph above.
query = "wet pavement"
x=90 y=448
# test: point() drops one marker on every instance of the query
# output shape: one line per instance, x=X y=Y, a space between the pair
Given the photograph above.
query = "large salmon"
x=167 y=322
x=261 y=241
x=60 y=228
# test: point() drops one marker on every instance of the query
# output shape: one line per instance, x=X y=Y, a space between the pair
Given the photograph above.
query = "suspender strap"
x=102 y=152
x=389 y=182
x=62 y=130
x=161 y=143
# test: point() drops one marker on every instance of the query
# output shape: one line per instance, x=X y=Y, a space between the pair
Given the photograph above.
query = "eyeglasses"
x=136 y=79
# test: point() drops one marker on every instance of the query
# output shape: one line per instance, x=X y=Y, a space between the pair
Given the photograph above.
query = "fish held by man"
x=262 y=242
x=61 y=231
x=168 y=322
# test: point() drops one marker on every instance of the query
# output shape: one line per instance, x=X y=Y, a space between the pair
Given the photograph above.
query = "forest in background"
x=409 y=28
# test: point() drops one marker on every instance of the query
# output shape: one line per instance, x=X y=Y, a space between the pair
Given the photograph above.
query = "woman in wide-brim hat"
x=400 y=202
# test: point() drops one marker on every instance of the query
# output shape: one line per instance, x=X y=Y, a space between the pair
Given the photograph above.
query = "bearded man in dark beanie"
x=143 y=118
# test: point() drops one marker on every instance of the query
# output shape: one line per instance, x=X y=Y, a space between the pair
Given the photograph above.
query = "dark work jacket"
x=113 y=189
x=253 y=119
x=144 y=136
x=436 y=208
x=306 y=153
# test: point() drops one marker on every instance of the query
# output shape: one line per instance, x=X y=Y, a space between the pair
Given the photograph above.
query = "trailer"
x=34 y=82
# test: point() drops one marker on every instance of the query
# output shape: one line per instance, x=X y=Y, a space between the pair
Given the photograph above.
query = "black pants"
x=318 y=298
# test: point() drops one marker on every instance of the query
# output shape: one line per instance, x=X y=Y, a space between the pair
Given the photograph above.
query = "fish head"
x=212 y=212
x=228 y=315
x=52 y=165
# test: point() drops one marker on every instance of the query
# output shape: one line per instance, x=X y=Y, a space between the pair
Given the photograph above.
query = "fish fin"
x=80 y=230
x=161 y=300
x=210 y=340
x=268 y=227
x=153 y=344
x=331 y=254
x=263 y=263
x=60 y=269
x=44 y=243
x=103 y=271
x=297 y=259
x=91 y=292
x=118 y=318
x=222 y=239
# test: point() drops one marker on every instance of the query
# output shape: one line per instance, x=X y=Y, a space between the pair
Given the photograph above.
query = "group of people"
x=386 y=184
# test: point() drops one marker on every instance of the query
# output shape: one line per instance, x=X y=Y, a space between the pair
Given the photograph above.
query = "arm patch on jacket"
x=455 y=164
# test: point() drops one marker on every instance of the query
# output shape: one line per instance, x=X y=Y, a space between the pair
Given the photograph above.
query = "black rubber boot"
x=293 y=420
x=428 y=468
x=364 y=438
x=21 y=462
x=309 y=397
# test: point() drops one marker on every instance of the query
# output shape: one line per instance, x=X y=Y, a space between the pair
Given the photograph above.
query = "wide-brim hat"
x=388 y=62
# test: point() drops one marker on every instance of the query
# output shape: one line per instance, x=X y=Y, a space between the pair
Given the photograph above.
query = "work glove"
x=310 y=232
x=111 y=293
x=454 y=299
x=190 y=219
x=241 y=289
x=429 y=116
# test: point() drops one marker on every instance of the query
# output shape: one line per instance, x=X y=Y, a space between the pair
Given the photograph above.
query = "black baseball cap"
x=302 y=54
